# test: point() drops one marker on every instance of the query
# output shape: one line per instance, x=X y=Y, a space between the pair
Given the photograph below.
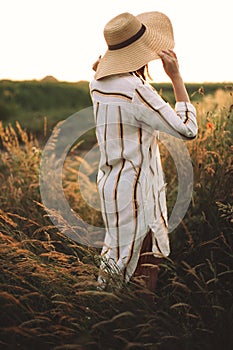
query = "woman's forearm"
x=181 y=94
x=171 y=67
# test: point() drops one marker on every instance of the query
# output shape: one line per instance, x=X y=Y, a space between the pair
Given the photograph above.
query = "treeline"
x=30 y=102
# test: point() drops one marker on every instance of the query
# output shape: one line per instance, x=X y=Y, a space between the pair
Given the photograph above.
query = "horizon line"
x=52 y=79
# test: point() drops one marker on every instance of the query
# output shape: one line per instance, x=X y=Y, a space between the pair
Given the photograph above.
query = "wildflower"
x=209 y=125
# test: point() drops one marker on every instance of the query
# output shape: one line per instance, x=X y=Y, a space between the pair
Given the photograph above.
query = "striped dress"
x=129 y=114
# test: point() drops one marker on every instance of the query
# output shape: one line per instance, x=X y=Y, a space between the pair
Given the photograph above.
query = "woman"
x=129 y=114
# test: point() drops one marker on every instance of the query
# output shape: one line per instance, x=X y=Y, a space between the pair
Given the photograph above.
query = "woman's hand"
x=171 y=67
x=95 y=65
x=170 y=63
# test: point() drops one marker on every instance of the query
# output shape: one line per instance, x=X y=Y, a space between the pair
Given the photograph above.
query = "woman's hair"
x=143 y=73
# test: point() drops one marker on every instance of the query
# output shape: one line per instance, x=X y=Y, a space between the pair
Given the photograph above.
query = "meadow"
x=48 y=291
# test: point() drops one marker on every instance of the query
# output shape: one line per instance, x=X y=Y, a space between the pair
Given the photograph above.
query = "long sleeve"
x=156 y=113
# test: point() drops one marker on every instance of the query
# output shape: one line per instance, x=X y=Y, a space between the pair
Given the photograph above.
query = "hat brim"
x=158 y=36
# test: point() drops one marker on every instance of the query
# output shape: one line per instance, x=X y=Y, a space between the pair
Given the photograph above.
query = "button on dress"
x=129 y=114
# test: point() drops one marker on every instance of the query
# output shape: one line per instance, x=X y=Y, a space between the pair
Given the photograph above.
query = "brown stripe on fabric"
x=186 y=114
x=134 y=200
x=120 y=135
x=153 y=194
x=152 y=171
x=105 y=136
x=115 y=94
x=96 y=118
x=163 y=219
x=110 y=166
x=150 y=157
x=142 y=98
x=98 y=182
x=157 y=246
x=97 y=111
x=133 y=165
x=161 y=213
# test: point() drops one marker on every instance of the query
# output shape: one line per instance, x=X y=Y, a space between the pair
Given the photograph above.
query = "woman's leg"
x=149 y=273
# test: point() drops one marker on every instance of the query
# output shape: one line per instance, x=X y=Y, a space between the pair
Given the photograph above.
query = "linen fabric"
x=129 y=114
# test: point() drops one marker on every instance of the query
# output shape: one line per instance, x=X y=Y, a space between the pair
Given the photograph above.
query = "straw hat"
x=133 y=41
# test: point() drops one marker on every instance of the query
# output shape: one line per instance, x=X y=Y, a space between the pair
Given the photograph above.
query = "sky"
x=63 y=38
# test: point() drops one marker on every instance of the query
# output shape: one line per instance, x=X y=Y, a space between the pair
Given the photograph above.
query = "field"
x=48 y=295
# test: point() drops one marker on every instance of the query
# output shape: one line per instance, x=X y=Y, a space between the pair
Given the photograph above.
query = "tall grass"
x=49 y=297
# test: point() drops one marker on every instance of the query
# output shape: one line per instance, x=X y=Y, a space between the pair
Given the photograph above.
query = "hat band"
x=129 y=41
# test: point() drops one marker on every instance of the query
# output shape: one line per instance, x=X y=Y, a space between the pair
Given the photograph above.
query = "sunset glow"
x=63 y=38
